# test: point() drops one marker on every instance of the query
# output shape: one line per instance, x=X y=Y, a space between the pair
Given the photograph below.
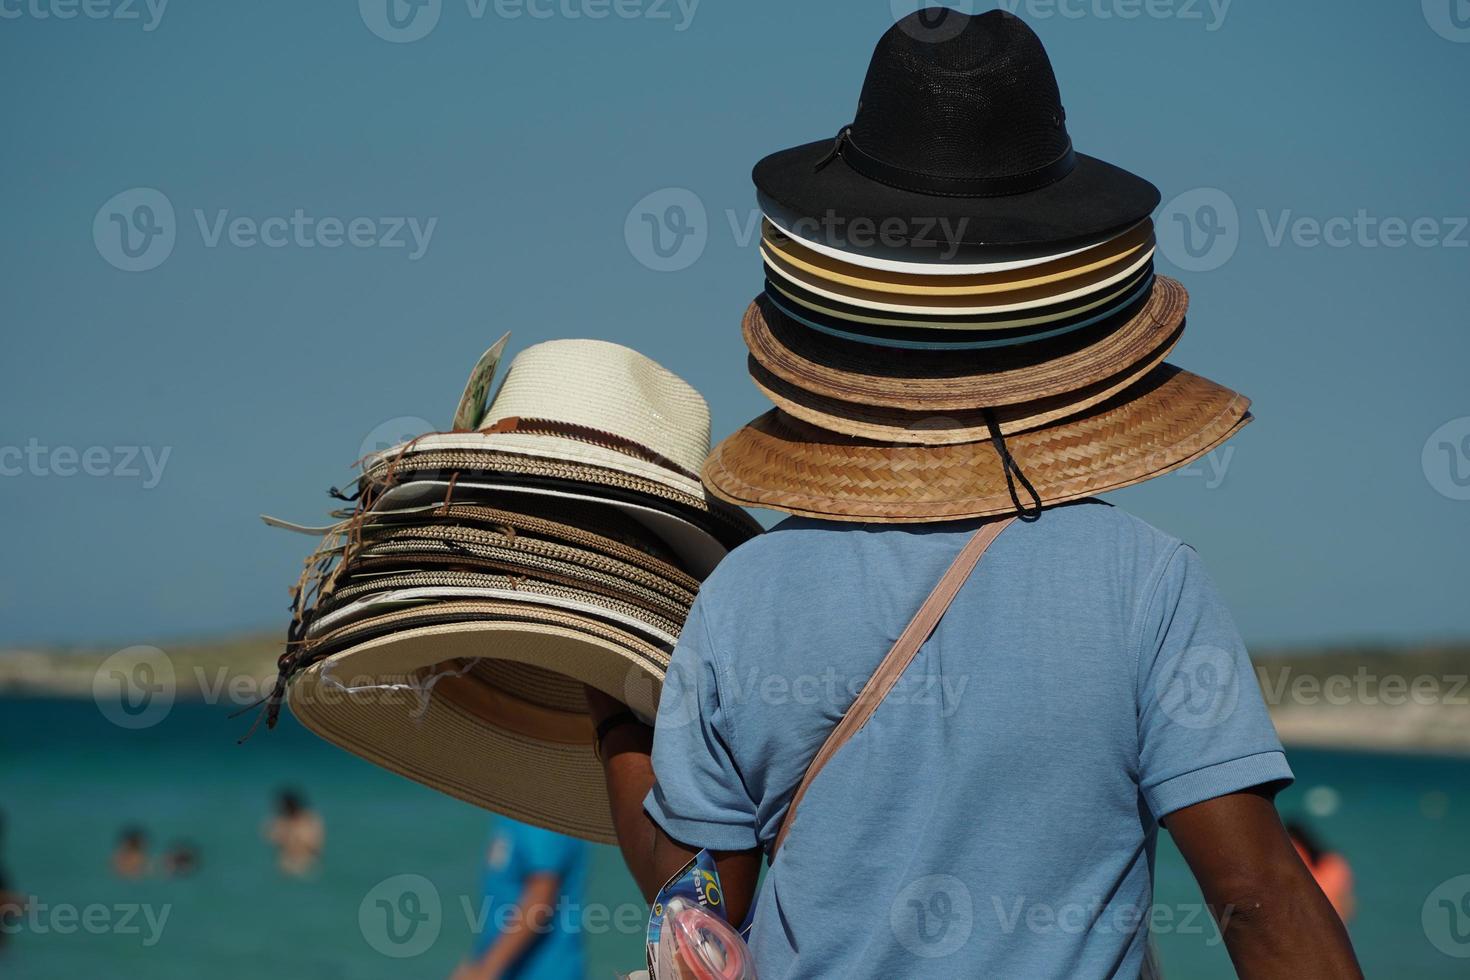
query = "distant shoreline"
x=1379 y=699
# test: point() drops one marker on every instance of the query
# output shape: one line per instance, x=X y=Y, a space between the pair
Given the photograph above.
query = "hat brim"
x=1079 y=289
x=521 y=759
x=1094 y=199
x=946 y=380
x=1057 y=277
x=700 y=544
x=1164 y=421
x=945 y=428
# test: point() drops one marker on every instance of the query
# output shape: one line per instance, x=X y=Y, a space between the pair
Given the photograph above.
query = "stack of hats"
x=961 y=316
x=446 y=627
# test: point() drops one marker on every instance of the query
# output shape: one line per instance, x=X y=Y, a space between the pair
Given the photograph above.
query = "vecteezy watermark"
x=135 y=688
x=1199 y=687
x=96 y=919
x=1450 y=19
x=567 y=916
x=1097 y=915
x=668 y=230
x=1446 y=459
x=136 y=230
x=1283 y=685
x=144 y=463
x=149 y=13
x=933 y=917
x=394 y=432
x=1445 y=917
x=1199 y=230
x=1210 y=14
x=405 y=21
x=401 y=916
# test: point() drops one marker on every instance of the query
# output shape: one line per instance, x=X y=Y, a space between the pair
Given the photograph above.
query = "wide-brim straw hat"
x=1056 y=277
x=1164 y=421
x=931 y=381
x=483 y=701
x=917 y=258
x=696 y=528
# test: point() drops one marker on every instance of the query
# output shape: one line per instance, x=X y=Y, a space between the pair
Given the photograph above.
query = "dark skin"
x=1276 y=922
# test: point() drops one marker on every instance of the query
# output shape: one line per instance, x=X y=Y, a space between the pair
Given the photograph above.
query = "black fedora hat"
x=960 y=138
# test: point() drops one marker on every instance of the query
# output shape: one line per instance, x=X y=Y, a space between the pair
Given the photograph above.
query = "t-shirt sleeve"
x=1203 y=730
x=698 y=796
x=546 y=852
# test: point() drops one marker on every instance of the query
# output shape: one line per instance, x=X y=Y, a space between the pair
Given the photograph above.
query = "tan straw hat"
x=483 y=704
x=1054 y=274
x=1164 y=421
x=941 y=381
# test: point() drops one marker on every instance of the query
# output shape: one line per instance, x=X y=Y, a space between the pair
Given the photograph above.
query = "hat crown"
x=610 y=388
x=961 y=96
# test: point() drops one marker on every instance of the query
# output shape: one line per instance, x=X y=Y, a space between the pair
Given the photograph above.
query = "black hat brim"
x=1095 y=199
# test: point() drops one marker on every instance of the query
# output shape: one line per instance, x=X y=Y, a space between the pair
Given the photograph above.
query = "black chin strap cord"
x=1012 y=470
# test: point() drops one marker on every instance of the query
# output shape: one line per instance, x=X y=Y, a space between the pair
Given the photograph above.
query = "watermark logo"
x=1446 y=917
x=145 y=463
x=1450 y=19
x=148 y=12
x=932 y=24
x=1199 y=230
x=1446 y=459
x=667 y=230
x=135 y=230
x=394 y=432
x=401 y=916
x=135 y=688
x=400 y=21
x=1210 y=13
x=1200 y=687
x=30 y=914
x=933 y=916
x=403 y=21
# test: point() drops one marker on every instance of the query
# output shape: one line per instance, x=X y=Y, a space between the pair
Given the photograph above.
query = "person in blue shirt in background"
x=530 y=915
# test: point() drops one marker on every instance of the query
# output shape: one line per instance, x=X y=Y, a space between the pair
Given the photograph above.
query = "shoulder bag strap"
x=894 y=664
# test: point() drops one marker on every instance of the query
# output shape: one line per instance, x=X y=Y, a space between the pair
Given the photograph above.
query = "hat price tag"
x=475 y=401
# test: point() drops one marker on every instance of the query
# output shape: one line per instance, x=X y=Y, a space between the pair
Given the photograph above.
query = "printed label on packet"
x=699 y=884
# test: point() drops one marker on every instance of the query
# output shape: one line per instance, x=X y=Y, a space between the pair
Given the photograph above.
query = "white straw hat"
x=590 y=402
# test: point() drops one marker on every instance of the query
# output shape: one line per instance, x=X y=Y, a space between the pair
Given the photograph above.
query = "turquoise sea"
x=69 y=780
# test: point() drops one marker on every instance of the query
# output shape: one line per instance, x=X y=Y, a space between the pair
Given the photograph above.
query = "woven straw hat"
x=1160 y=423
x=998 y=300
x=1054 y=274
x=700 y=531
x=483 y=701
x=941 y=381
x=590 y=402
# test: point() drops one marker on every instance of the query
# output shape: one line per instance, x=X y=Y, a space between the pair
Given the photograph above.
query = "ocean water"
x=69 y=780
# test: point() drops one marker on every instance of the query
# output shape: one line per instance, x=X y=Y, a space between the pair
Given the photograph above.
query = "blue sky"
x=421 y=196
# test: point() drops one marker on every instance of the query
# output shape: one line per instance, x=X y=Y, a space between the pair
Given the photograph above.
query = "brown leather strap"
x=894 y=664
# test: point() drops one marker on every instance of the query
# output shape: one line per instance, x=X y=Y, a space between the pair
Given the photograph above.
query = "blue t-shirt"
x=997 y=815
x=517 y=852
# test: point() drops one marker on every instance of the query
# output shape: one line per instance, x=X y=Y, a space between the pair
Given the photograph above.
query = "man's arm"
x=1275 y=920
x=533 y=911
x=652 y=856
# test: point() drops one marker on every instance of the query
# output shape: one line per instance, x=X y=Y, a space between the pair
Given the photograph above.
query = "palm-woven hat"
x=447 y=627
x=960 y=136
